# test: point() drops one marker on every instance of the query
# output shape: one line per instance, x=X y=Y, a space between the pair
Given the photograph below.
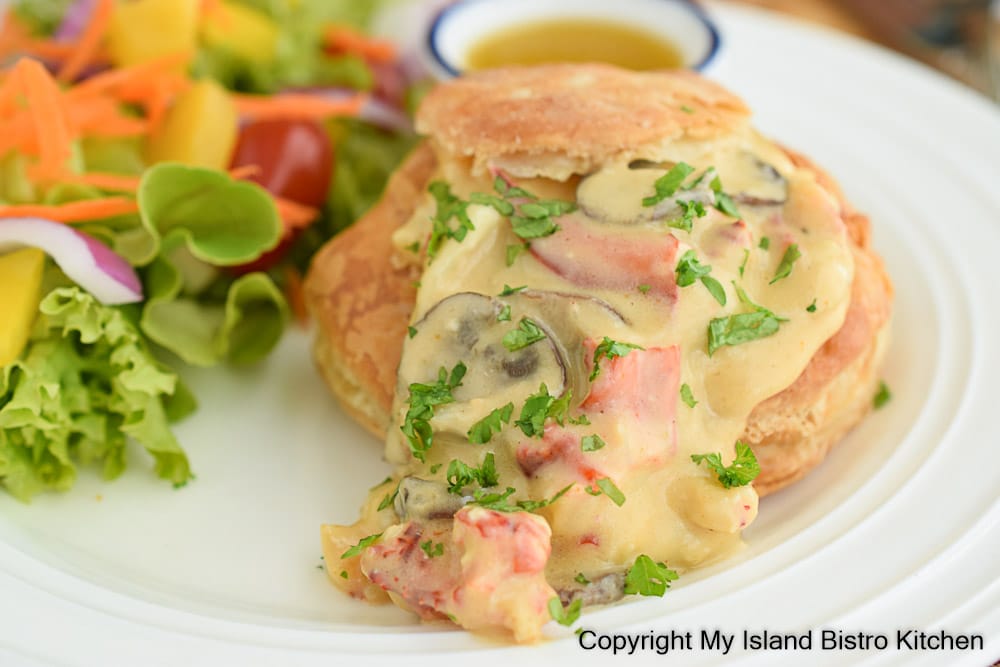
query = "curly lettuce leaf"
x=242 y=330
x=86 y=383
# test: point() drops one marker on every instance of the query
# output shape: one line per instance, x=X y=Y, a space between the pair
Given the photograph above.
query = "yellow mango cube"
x=200 y=129
x=20 y=283
x=242 y=30
x=143 y=30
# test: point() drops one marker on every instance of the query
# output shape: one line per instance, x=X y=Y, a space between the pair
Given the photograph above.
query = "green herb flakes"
x=609 y=349
x=592 y=443
x=482 y=431
x=668 y=184
x=882 y=396
x=526 y=333
x=743 y=470
x=609 y=489
x=687 y=396
x=567 y=616
x=422 y=401
x=647 y=577
x=787 y=262
x=361 y=546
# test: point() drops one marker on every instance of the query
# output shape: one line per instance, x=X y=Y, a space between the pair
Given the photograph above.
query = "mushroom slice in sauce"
x=614 y=194
x=464 y=328
x=605 y=590
x=424 y=500
x=765 y=186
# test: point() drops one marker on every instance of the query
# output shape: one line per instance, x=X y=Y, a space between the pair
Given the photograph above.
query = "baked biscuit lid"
x=547 y=120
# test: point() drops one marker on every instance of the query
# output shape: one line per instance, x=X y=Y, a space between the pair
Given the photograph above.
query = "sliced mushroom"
x=765 y=185
x=424 y=500
x=605 y=590
x=464 y=328
x=615 y=194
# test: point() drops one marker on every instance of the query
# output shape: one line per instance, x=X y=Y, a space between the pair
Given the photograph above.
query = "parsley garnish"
x=582 y=420
x=432 y=549
x=882 y=396
x=610 y=349
x=746 y=258
x=389 y=499
x=514 y=251
x=501 y=206
x=504 y=314
x=647 y=577
x=743 y=470
x=643 y=288
x=668 y=184
x=413 y=247
x=686 y=109
x=723 y=202
x=787 y=262
x=539 y=407
x=689 y=211
x=591 y=443
x=343 y=574
x=526 y=333
x=423 y=399
x=436 y=467
x=412 y=331
x=811 y=308
x=611 y=491
x=530 y=219
x=461 y=475
x=743 y=327
x=508 y=290
x=687 y=396
x=765 y=243
x=498 y=501
x=482 y=431
x=567 y=616
x=580 y=578
x=363 y=544
x=689 y=269
x=448 y=206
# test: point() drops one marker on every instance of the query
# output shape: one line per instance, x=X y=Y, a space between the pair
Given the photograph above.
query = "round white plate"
x=898 y=529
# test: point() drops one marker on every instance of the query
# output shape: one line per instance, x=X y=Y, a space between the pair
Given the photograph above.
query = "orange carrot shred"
x=343 y=39
x=295 y=294
x=293 y=214
x=141 y=73
x=77 y=211
x=88 y=43
x=113 y=182
x=298 y=106
x=49 y=118
x=245 y=171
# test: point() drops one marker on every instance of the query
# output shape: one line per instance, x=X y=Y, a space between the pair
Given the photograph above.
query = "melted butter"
x=675 y=511
x=573 y=40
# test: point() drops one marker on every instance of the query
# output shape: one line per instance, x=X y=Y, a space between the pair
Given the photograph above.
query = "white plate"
x=899 y=528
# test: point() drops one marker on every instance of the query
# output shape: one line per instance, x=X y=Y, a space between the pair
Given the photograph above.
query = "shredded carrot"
x=86 y=46
x=113 y=182
x=295 y=294
x=298 y=107
x=142 y=74
x=293 y=214
x=49 y=117
x=78 y=211
x=343 y=39
x=244 y=172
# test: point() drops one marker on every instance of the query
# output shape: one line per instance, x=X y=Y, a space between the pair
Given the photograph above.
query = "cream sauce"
x=675 y=510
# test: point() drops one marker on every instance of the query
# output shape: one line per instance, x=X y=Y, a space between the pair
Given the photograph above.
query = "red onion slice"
x=86 y=261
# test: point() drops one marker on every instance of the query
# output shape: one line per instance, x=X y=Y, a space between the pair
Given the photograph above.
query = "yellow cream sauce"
x=676 y=511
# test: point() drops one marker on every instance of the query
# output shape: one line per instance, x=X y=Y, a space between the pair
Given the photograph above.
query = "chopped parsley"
x=686 y=109
x=765 y=243
x=668 y=184
x=508 y=290
x=882 y=396
x=432 y=549
x=389 y=499
x=647 y=577
x=580 y=578
x=422 y=401
x=643 y=288
x=743 y=470
x=413 y=247
x=482 y=431
x=343 y=574
x=526 y=333
x=504 y=314
x=498 y=501
x=435 y=468
x=687 y=396
x=609 y=349
x=811 y=308
x=363 y=544
x=448 y=206
x=787 y=262
x=689 y=211
x=746 y=258
x=591 y=443
x=539 y=407
x=689 y=270
x=582 y=420
x=499 y=204
x=723 y=202
x=742 y=327
x=514 y=251
x=611 y=491
x=567 y=616
x=461 y=475
x=529 y=219
x=412 y=331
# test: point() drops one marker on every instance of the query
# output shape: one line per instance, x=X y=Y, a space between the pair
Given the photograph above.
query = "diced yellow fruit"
x=21 y=281
x=243 y=30
x=199 y=130
x=142 y=30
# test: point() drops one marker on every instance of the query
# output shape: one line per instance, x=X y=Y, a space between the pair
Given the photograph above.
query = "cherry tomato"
x=294 y=156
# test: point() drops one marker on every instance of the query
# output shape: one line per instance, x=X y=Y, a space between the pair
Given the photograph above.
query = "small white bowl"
x=460 y=26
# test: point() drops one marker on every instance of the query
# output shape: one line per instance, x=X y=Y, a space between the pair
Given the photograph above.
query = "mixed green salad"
x=167 y=170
